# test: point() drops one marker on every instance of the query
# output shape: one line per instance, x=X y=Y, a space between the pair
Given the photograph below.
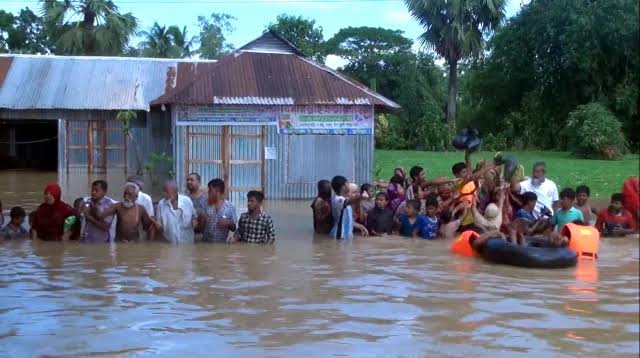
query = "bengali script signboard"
x=325 y=123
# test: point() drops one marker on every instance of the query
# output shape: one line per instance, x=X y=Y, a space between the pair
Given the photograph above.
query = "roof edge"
x=358 y=85
x=117 y=58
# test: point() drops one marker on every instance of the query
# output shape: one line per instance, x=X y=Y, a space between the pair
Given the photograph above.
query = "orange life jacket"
x=462 y=245
x=584 y=240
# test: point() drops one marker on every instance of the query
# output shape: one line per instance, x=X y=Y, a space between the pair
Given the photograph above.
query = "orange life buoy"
x=584 y=240
x=462 y=245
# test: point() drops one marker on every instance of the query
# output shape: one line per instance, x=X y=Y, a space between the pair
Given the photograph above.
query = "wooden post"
x=187 y=157
x=226 y=157
x=90 y=146
x=104 y=145
x=66 y=149
x=263 y=169
x=125 y=140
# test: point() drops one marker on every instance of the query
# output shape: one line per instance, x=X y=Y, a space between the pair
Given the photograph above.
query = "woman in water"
x=48 y=222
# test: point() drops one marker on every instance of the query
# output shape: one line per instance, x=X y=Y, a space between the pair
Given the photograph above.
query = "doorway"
x=232 y=153
x=29 y=144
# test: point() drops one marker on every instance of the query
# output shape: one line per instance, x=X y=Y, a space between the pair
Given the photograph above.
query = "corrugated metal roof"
x=271 y=42
x=83 y=83
x=252 y=75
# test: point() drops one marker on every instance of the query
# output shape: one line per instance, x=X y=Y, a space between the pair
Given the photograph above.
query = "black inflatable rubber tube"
x=502 y=252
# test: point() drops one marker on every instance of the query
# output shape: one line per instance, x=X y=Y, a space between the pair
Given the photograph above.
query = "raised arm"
x=112 y=210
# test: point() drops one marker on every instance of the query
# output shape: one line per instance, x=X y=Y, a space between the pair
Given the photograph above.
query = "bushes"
x=592 y=131
x=433 y=135
x=400 y=132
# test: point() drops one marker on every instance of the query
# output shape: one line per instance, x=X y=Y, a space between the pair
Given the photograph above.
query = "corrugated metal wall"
x=151 y=134
x=322 y=155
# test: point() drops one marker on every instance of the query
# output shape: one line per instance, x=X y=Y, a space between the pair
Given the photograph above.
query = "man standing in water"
x=195 y=192
x=143 y=198
x=544 y=188
x=146 y=201
x=255 y=226
x=129 y=214
x=97 y=230
x=176 y=215
x=219 y=217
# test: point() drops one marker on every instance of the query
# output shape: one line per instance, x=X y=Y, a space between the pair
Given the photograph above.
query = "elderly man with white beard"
x=176 y=216
x=129 y=214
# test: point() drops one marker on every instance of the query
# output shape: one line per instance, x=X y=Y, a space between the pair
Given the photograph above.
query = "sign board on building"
x=325 y=123
x=224 y=116
x=289 y=119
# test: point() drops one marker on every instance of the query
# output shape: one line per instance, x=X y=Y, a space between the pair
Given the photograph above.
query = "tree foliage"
x=375 y=55
x=456 y=30
x=213 y=32
x=552 y=57
x=593 y=131
x=302 y=33
x=166 y=42
x=384 y=59
x=88 y=27
x=23 y=33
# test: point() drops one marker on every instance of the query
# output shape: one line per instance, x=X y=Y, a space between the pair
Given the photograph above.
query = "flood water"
x=305 y=296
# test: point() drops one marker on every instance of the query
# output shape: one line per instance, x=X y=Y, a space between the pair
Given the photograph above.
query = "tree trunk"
x=88 y=40
x=137 y=152
x=453 y=94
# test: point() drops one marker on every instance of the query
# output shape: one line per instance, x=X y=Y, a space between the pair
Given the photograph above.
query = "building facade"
x=59 y=112
x=264 y=117
x=267 y=118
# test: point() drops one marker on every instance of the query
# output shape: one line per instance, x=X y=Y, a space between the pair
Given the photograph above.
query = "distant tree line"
x=560 y=74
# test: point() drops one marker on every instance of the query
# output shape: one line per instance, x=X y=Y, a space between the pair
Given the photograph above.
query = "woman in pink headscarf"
x=48 y=222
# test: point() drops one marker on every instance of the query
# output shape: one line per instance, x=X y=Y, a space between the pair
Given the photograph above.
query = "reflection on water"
x=309 y=296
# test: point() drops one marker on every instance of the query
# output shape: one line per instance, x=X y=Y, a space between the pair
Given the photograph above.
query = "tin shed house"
x=267 y=118
x=59 y=112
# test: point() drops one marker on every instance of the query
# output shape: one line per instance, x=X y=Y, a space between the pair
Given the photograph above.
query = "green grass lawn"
x=602 y=176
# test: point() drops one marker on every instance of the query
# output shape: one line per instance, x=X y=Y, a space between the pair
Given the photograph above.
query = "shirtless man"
x=129 y=214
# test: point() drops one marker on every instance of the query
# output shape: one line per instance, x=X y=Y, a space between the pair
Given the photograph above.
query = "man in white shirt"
x=544 y=188
x=176 y=215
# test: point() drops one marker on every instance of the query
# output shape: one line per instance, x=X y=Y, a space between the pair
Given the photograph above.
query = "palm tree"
x=181 y=39
x=157 y=42
x=88 y=27
x=455 y=29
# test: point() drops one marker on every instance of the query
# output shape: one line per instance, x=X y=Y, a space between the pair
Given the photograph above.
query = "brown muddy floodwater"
x=304 y=296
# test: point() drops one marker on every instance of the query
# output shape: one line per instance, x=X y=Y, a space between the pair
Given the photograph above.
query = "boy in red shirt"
x=615 y=221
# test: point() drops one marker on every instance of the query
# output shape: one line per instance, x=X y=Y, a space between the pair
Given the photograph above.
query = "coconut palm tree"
x=158 y=42
x=88 y=27
x=182 y=40
x=456 y=30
